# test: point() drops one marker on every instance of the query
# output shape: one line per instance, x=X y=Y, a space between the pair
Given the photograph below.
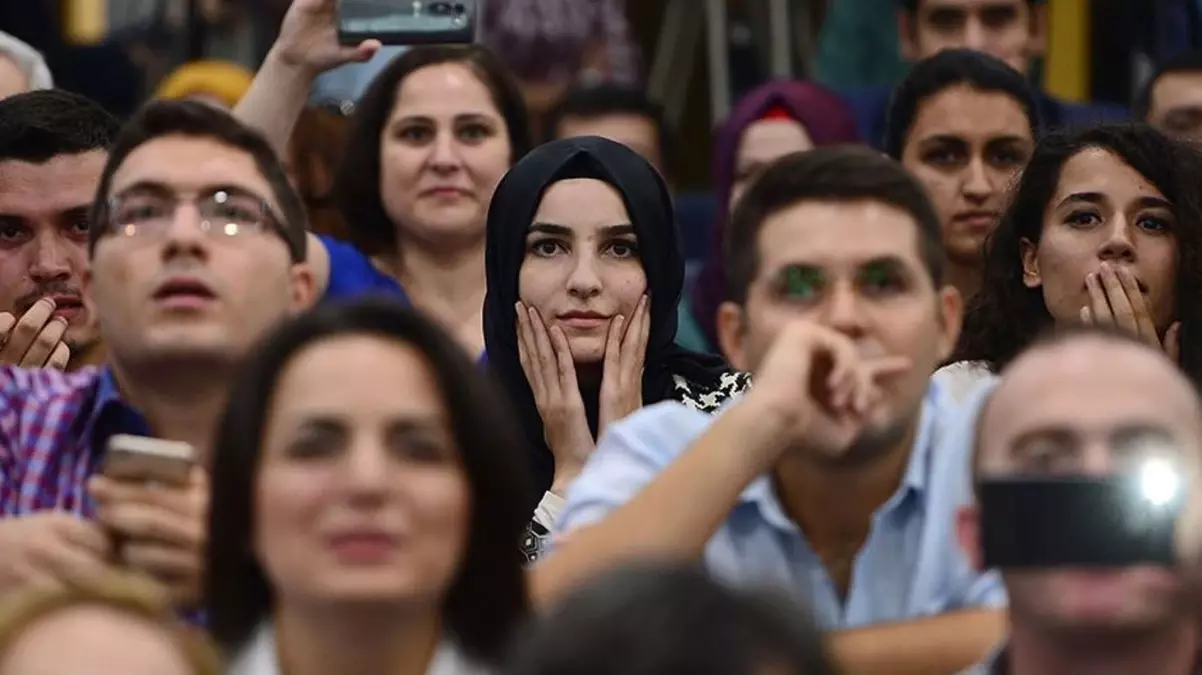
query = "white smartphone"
x=148 y=460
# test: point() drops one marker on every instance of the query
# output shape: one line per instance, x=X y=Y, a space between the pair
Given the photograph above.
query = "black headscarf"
x=650 y=207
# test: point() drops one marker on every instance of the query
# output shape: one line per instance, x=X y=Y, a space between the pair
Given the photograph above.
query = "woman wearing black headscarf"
x=584 y=273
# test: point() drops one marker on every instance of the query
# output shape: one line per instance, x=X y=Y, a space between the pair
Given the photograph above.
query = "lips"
x=360 y=547
x=977 y=219
x=184 y=292
x=583 y=320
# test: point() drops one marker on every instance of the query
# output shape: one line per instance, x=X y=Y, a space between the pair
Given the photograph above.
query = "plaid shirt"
x=53 y=430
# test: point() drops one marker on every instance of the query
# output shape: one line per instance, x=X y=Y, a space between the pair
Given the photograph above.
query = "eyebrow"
x=1099 y=199
x=953 y=139
x=459 y=117
x=891 y=261
x=159 y=189
x=564 y=231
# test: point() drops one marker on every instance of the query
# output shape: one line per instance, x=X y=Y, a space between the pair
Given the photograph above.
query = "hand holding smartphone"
x=407 y=22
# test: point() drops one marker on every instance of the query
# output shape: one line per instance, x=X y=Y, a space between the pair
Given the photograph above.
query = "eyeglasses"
x=222 y=214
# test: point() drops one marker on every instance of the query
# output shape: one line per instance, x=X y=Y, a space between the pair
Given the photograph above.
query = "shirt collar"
x=761 y=494
x=111 y=415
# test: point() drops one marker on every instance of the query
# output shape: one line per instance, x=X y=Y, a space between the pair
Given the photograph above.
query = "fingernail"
x=48 y=300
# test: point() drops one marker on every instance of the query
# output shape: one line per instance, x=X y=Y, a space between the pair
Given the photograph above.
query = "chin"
x=384 y=586
x=587 y=349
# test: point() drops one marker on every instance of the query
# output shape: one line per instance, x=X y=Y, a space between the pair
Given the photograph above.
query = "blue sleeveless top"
x=352 y=274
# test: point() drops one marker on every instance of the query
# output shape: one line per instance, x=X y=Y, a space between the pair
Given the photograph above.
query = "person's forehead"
x=622 y=127
x=189 y=164
x=1177 y=88
x=443 y=89
x=838 y=234
x=767 y=140
x=1096 y=170
x=64 y=182
x=965 y=112
x=1065 y=386
x=968 y=5
x=563 y=199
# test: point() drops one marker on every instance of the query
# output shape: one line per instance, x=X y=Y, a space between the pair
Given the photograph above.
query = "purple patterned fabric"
x=827 y=119
x=51 y=426
x=545 y=40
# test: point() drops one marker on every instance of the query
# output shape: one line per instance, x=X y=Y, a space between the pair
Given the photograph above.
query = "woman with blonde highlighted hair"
x=117 y=626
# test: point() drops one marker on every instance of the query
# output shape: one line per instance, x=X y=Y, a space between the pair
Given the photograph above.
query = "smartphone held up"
x=407 y=22
x=138 y=459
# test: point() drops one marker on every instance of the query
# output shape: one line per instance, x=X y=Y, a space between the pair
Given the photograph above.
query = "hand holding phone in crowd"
x=49 y=550
x=153 y=500
x=36 y=340
x=309 y=38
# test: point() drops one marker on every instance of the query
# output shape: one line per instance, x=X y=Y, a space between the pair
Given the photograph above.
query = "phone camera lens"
x=440 y=8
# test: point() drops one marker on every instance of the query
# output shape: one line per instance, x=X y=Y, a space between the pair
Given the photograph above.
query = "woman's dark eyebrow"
x=551 y=228
x=563 y=231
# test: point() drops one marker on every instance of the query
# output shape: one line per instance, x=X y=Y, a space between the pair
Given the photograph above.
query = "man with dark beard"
x=53 y=145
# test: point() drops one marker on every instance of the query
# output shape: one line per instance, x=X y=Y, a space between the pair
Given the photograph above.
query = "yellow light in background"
x=85 y=22
x=1067 y=67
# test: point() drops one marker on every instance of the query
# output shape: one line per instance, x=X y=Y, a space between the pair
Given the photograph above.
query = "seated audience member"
x=314 y=155
x=1014 y=31
x=769 y=122
x=22 y=68
x=1171 y=100
x=218 y=83
x=109 y=626
x=429 y=141
x=53 y=146
x=584 y=275
x=1102 y=228
x=371 y=493
x=837 y=477
x=196 y=248
x=620 y=113
x=667 y=620
x=1055 y=413
x=964 y=124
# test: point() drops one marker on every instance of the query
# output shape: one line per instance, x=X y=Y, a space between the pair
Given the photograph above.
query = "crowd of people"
x=466 y=396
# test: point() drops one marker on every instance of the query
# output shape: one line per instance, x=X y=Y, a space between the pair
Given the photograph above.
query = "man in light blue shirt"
x=839 y=476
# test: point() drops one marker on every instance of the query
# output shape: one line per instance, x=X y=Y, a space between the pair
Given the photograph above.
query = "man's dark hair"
x=1189 y=62
x=911 y=6
x=487 y=600
x=950 y=68
x=158 y=119
x=652 y=620
x=598 y=100
x=830 y=173
x=38 y=126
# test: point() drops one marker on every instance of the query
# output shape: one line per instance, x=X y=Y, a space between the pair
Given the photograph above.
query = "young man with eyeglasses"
x=196 y=247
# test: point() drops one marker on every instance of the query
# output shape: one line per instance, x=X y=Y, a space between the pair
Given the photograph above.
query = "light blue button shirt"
x=911 y=564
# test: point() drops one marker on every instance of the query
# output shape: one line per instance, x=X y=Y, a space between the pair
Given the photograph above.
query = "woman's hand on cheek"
x=622 y=376
x=547 y=362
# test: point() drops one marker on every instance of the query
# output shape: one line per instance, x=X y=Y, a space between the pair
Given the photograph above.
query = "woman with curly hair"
x=1104 y=227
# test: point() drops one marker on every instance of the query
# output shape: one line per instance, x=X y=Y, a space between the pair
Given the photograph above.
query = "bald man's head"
x=1086 y=403
x=1080 y=385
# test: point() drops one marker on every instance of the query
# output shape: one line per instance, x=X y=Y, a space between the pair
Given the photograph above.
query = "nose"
x=1097 y=459
x=51 y=258
x=365 y=470
x=1117 y=247
x=842 y=311
x=444 y=152
x=977 y=187
x=184 y=237
x=975 y=35
x=584 y=282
